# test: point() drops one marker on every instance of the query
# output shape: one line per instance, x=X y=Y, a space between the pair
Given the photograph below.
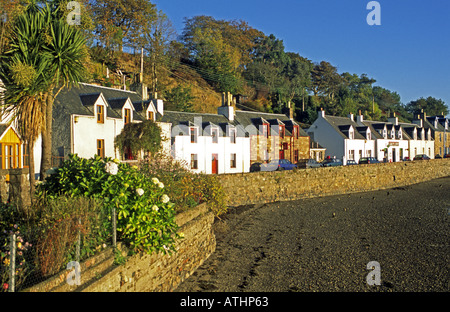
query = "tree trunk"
x=32 y=174
x=46 y=159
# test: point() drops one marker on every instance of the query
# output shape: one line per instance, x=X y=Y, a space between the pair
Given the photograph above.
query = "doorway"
x=214 y=163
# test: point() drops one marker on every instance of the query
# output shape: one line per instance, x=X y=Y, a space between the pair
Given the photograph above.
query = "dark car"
x=308 y=163
x=446 y=155
x=351 y=162
x=278 y=164
x=421 y=157
x=368 y=160
x=406 y=159
x=255 y=167
x=331 y=163
x=438 y=156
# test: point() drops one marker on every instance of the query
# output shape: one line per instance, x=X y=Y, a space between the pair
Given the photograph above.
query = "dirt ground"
x=325 y=244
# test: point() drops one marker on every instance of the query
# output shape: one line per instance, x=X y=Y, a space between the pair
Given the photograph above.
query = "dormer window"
x=127 y=116
x=384 y=133
x=232 y=135
x=215 y=135
x=415 y=134
x=193 y=133
x=351 y=134
x=392 y=134
x=369 y=135
x=100 y=114
x=295 y=132
x=281 y=131
x=150 y=115
x=265 y=130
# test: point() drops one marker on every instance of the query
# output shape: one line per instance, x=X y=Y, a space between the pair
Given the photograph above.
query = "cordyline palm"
x=21 y=72
x=63 y=54
x=45 y=54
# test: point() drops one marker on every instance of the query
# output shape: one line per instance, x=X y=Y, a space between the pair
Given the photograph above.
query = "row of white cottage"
x=352 y=137
x=87 y=119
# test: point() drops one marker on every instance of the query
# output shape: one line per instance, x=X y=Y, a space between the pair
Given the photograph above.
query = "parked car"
x=351 y=162
x=308 y=163
x=446 y=155
x=406 y=159
x=368 y=160
x=421 y=157
x=278 y=164
x=331 y=163
x=438 y=156
x=255 y=167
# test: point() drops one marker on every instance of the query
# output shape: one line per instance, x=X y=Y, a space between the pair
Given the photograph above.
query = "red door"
x=281 y=154
x=215 y=163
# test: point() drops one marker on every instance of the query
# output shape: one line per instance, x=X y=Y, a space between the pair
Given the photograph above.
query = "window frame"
x=194 y=161
x=101 y=148
x=100 y=111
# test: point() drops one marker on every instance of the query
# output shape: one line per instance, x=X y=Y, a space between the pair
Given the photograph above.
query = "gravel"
x=324 y=244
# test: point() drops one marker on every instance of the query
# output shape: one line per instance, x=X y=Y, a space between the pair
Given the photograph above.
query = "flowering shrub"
x=23 y=267
x=145 y=215
x=187 y=189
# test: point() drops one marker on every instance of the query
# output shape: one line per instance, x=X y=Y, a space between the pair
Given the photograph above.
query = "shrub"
x=61 y=222
x=145 y=215
x=187 y=189
x=11 y=221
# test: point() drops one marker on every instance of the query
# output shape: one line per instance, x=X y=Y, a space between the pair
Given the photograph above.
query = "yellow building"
x=12 y=154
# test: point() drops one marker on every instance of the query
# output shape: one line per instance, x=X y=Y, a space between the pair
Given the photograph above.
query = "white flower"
x=155 y=180
x=165 y=199
x=111 y=168
x=160 y=185
x=155 y=208
x=140 y=191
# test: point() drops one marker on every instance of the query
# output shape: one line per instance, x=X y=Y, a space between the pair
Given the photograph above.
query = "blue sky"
x=409 y=53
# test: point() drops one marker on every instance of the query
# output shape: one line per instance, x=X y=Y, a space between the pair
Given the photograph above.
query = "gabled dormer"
x=124 y=108
x=97 y=104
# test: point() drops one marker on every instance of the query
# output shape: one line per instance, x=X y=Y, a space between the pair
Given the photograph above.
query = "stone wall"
x=143 y=272
x=262 y=187
x=15 y=186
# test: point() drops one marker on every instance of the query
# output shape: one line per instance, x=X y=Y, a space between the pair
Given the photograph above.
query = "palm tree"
x=64 y=54
x=21 y=72
x=44 y=55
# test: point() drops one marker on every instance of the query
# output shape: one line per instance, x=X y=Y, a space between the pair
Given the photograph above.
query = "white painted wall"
x=182 y=149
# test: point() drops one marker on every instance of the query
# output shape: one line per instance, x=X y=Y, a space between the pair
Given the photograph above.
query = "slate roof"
x=80 y=100
x=342 y=124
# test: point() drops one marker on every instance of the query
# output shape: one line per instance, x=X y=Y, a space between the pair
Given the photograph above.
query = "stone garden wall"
x=263 y=187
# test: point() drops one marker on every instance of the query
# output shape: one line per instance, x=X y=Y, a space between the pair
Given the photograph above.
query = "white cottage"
x=87 y=118
x=342 y=137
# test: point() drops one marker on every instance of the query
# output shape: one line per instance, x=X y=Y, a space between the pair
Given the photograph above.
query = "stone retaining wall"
x=262 y=187
x=143 y=272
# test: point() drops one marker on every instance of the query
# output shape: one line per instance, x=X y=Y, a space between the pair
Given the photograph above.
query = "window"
x=127 y=116
x=1 y=156
x=215 y=135
x=100 y=114
x=351 y=134
x=193 y=133
x=150 y=116
x=101 y=148
x=194 y=163
x=369 y=136
x=295 y=132
x=265 y=130
x=384 y=134
x=440 y=137
x=351 y=154
x=26 y=156
x=233 y=161
x=281 y=131
x=399 y=134
x=296 y=156
x=233 y=136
